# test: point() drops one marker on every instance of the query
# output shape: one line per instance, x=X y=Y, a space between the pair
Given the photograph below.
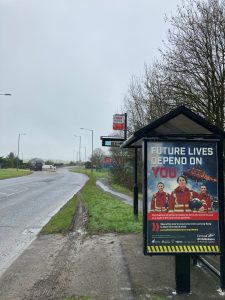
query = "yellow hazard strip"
x=183 y=249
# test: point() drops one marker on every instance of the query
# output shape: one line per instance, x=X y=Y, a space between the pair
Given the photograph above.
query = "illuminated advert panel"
x=181 y=205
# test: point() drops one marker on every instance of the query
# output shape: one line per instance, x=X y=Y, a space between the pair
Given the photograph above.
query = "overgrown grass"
x=123 y=190
x=97 y=175
x=63 y=220
x=105 y=174
x=9 y=173
x=107 y=214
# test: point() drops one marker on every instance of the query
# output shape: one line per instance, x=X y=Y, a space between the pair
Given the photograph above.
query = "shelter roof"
x=180 y=122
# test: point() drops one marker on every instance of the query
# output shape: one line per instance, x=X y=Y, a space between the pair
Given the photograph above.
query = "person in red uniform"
x=205 y=199
x=181 y=196
x=160 y=199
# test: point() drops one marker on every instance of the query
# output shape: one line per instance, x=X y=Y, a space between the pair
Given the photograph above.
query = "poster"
x=182 y=197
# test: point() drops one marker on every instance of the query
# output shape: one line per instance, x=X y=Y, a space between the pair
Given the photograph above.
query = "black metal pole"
x=125 y=129
x=221 y=215
x=135 y=202
x=182 y=273
x=222 y=268
x=194 y=259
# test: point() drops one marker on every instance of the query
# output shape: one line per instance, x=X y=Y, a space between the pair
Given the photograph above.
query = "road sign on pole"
x=110 y=141
x=119 y=122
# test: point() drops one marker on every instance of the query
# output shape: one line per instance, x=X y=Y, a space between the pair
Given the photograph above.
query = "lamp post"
x=18 y=151
x=91 y=146
x=79 y=145
x=84 y=153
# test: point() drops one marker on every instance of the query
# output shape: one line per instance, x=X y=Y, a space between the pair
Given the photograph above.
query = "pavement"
x=105 y=266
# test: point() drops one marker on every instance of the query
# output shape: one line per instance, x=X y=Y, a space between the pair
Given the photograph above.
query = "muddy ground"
x=105 y=266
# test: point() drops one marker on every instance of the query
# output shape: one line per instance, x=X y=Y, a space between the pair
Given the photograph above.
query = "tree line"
x=10 y=161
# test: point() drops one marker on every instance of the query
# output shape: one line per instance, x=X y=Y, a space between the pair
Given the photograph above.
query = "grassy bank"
x=106 y=214
x=63 y=220
x=114 y=186
x=124 y=190
x=9 y=173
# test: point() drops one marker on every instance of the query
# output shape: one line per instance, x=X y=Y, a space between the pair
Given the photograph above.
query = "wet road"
x=26 y=205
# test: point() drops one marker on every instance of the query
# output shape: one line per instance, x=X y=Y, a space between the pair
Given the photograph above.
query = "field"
x=9 y=173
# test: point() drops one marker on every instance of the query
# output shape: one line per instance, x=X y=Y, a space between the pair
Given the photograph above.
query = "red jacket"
x=206 y=201
x=160 y=202
x=180 y=198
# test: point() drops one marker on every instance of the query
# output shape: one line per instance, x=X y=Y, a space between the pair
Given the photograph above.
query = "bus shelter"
x=183 y=190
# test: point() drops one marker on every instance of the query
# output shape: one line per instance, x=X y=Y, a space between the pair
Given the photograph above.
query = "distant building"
x=106 y=162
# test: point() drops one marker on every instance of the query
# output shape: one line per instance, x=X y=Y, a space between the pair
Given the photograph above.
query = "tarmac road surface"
x=26 y=205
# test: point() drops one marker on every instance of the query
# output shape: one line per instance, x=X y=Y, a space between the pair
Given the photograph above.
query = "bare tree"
x=146 y=99
x=192 y=69
x=134 y=105
x=122 y=171
x=194 y=58
x=98 y=155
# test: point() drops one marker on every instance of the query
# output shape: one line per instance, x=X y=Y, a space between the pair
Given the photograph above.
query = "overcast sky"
x=68 y=64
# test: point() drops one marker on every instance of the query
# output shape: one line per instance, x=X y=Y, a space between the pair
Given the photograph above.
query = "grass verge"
x=106 y=214
x=63 y=220
x=105 y=174
x=9 y=173
x=124 y=190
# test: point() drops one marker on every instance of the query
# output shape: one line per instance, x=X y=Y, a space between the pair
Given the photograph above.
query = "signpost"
x=112 y=141
x=119 y=122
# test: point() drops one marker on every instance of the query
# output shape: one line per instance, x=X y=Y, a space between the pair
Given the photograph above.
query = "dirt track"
x=107 y=266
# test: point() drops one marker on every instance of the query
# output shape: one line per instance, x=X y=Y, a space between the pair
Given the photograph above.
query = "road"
x=26 y=205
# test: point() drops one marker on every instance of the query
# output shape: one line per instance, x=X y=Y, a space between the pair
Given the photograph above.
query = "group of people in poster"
x=181 y=199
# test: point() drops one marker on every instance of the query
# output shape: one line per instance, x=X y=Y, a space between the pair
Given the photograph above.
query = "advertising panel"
x=182 y=197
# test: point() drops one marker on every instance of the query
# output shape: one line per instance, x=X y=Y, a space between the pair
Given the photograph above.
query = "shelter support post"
x=194 y=259
x=222 y=270
x=135 y=199
x=182 y=273
x=221 y=211
x=222 y=256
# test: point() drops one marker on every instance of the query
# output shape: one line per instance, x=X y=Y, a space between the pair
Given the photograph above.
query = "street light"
x=18 y=151
x=79 y=144
x=91 y=146
x=84 y=153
